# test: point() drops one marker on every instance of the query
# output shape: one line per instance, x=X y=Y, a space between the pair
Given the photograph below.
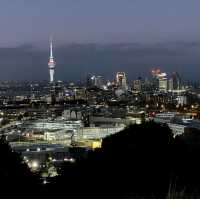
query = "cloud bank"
x=76 y=60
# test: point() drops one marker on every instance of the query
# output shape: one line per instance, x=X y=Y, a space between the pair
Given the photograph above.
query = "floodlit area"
x=58 y=131
x=45 y=144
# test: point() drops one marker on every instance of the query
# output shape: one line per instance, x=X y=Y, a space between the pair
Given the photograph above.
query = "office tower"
x=170 y=84
x=96 y=81
x=121 y=80
x=137 y=85
x=159 y=80
x=99 y=82
x=176 y=81
x=162 y=78
x=155 y=79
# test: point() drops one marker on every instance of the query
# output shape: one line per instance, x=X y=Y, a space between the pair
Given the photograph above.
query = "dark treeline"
x=16 y=179
x=142 y=160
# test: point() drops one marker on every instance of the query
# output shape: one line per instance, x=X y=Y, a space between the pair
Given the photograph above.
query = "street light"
x=34 y=165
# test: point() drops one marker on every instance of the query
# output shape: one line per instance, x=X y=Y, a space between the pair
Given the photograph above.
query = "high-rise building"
x=88 y=81
x=121 y=80
x=137 y=85
x=163 y=83
x=96 y=81
x=51 y=63
x=159 y=80
x=99 y=82
x=176 y=81
x=155 y=79
x=170 y=85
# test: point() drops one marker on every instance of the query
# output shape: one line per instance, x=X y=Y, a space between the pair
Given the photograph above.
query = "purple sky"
x=155 y=25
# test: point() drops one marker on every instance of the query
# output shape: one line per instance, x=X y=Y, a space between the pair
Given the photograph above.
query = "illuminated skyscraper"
x=162 y=77
x=51 y=63
x=160 y=81
x=137 y=85
x=121 y=80
x=155 y=80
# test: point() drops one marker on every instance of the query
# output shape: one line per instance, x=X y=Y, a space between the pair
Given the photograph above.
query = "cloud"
x=75 y=61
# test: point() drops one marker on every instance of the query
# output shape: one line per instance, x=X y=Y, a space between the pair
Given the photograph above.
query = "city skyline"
x=97 y=94
x=76 y=60
x=99 y=37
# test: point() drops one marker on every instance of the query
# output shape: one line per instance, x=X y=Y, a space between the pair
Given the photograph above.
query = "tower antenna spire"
x=51 y=47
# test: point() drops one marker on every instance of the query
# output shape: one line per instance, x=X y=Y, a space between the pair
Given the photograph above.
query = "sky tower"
x=51 y=63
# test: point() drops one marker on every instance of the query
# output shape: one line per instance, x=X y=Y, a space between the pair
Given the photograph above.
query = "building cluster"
x=62 y=120
x=159 y=82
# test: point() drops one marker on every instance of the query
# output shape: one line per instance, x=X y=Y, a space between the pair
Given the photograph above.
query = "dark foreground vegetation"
x=143 y=161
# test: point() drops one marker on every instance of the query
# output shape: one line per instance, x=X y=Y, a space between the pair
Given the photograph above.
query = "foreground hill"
x=142 y=161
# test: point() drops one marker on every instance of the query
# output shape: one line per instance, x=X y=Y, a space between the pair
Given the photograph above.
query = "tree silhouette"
x=14 y=173
x=142 y=160
x=134 y=161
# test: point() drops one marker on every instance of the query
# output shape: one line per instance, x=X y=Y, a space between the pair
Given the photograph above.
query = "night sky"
x=99 y=36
